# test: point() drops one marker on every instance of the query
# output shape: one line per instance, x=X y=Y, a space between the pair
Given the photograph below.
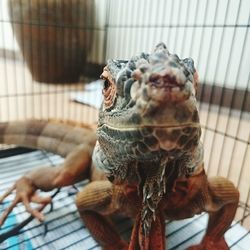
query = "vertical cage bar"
x=213 y=82
x=224 y=82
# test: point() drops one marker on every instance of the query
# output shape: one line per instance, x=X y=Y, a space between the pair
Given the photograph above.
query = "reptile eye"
x=109 y=89
x=109 y=93
x=106 y=84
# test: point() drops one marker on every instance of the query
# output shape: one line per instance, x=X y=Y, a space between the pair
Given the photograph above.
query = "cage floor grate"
x=66 y=230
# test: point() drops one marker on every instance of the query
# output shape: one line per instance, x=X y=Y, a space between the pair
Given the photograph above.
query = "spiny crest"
x=122 y=69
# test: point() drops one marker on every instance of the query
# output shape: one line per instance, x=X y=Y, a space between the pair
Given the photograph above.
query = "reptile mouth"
x=168 y=76
x=172 y=88
x=167 y=82
x=169 y=85
x=148 y=127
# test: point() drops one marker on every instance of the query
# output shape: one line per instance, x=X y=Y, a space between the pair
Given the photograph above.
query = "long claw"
x=32 y=211
x=8 y=211
x=7 y=193
x=16 y=229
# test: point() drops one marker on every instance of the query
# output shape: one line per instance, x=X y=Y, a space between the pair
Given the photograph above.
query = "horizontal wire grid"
x=214 y=33
x=64 y=226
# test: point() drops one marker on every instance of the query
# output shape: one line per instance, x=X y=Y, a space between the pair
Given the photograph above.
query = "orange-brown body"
x=147 y=164
x=101 y=198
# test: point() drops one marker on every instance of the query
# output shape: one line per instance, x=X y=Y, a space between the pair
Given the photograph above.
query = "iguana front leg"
x=221 y=203
x=75 y=168
x=217 y=196
x=98 y=199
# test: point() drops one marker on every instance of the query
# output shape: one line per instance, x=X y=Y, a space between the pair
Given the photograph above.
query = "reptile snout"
x=167 y=85
x=164 y=77
x=168 y=78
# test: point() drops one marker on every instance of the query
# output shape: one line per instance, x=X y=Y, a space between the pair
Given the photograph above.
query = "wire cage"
x=51 y=49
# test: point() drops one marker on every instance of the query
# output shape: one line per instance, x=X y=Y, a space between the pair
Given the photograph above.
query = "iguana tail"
x=53 y=136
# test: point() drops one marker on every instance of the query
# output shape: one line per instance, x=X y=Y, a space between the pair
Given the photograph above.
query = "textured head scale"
x=148 y=121
x=149 y=107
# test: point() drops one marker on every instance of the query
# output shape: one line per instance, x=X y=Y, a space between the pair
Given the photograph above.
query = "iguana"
x=147 y=162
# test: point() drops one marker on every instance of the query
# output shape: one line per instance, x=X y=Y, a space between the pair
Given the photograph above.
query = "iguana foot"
x=210 y=244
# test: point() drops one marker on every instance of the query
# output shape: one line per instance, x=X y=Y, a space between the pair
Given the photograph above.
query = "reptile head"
x=149 y=110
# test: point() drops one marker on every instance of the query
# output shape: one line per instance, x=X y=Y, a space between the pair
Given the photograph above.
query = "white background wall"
x=152 y=21
x=7 y=39
x=214 y=33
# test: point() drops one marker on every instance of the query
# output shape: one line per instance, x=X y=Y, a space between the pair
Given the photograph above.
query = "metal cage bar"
x=215 y=33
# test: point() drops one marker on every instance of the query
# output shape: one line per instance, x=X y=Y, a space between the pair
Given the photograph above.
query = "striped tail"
x=53 y=136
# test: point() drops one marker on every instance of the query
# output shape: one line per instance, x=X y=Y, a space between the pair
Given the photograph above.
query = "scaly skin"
x=147 y=163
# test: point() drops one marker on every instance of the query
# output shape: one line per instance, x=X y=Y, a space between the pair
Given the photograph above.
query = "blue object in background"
x=17 y=242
